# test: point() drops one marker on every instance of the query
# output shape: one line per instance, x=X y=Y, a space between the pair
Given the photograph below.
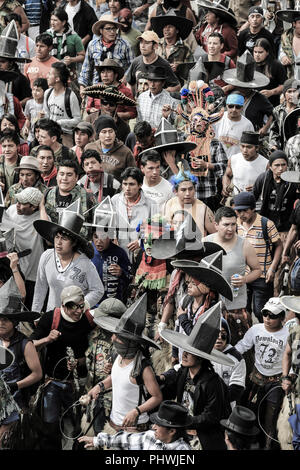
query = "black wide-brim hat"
x=48 y=229
x=172 y=415
x=259 y=79
x=290 y=127
x=241 y=421
x=184 y=25
x=21 y=316
x=8 y=76
x=209 y=277
x=180 y=147
x=183 y=70
x=7 y=358
x=225 y=14
x=288 y=15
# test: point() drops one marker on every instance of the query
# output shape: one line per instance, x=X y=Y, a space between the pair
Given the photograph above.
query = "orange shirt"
x=37 y=69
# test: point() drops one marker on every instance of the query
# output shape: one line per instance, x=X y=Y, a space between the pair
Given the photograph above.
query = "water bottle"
x=235 y=290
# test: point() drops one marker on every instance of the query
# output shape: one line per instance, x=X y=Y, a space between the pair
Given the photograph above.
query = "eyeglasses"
x=236 y=106
x=223 y=336
x=75 y=307
x=110 y=29
x=270 y=315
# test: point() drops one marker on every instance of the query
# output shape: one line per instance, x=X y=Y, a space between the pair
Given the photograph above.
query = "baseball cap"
x=109 y=307
x=235 y=98
x=257 y=10
x=149 y=36
x=244 y=200
x=71 y=294
x=274 y=306
x=29 y=196
x=85 y=127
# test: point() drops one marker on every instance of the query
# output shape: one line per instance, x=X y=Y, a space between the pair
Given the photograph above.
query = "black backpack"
x=67 y=101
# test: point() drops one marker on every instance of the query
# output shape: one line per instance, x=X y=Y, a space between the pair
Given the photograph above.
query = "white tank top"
x=125 y=394
x=245 y=173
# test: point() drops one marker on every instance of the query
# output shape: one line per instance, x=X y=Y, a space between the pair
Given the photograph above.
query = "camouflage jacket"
x=179 y=52
x=10 y=197
x=287 y=49
x=276 y=134
x=294 y=343
x=2 y=173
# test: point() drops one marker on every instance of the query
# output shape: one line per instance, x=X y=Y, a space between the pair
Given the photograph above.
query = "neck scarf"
x=63 y=49
x=108 y=50
x=47 y=178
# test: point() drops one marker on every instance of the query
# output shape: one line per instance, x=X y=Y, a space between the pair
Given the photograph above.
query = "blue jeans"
x=258 y=293
x=57 y=395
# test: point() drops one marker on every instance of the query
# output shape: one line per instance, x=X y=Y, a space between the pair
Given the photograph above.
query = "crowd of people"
x=149 y=229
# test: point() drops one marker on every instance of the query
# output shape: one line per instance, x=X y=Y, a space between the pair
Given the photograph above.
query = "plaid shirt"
x=137 y=441
x=207 y=185
x=276 y=134
x=122 y=54
x=292 y=151
x=149 y=107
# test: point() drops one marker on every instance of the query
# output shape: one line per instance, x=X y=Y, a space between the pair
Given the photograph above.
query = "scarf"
x=64 y=47
x=107 y=51
x=205 y=306
x=157 y=272
x=174 y=286
x=100 y=192
x=47 y=178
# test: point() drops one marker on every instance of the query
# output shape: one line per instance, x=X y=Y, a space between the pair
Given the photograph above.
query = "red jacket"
x=95 y=102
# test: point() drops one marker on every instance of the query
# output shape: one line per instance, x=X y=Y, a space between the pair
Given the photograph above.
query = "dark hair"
x=224 y=212
x=239 y=441
x=63 y=72
x=45 y=147
x=44 y=38
x=150 y=156
x=73 y=239
x=90 y=153
x=10 y=136
x=12 y=16
x=132 y=172
x=265 y=44
x=215 y=34
x=11 y=118
x=69 y=164
x=50 y=126
x=123 y=3
x=142 y=129
x=62 y=15
x=41 y=82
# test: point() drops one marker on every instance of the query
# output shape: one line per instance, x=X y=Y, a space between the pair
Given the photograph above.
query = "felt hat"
x=8 y=43
x=103 y=20
x=131 y=324
x=291 y=302
x=208 y=271
x=183 y=244
x=110 y=93
x=166 y=138
x=289 y=16
x=290 y=124
x=156 y=73
x=171 y=414
x=29 y=162
x=202 y=339
x=10 y=307
x=245 y=75
x=110 y=307
x=70 y=222
x=183 y=24
x=250 y=137
x=220 y=8
x=113 y=65
x=241 y=421
x=7 y=358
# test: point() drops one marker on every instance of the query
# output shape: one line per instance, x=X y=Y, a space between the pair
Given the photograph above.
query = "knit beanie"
x=227 y=329
x=276 y=155
x=291 y=83
x=104 y=122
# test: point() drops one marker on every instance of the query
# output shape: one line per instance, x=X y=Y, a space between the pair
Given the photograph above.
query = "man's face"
x=109 y=32
x=152 y=172
x=52 y=77
x=126 y=22
x=189 y=360
x=46 y=161
x=114 y=6
x=273 y=323
x=7 y=126
x=210 y=17
x=214 y=46
x=25 y=209
x=146 y=47
x=249 y=152
x=45 y=139
x=66 y=178
x=195 y=289
x=108 y=107
x=255 y=20
x=278 y=167
x=142 y=85
x=81 y=138
x=92 y=168
x=145 y=141
x=292 y=96
x=170 y=31
x=4 y=64
x=221 y=341
x=107 y=137
x=9 y=149
x=234 y=111
x=186 y=193
x=131 y=188
x=156 y=86
x=245 y=215
x=63 y=244
x=42 y=51
x=226 y=228
x=108 y=76
x=163 y=434
x=296 y=26
x=6 y=326
x=27 y=178
x=101 y=241
x=37 y=93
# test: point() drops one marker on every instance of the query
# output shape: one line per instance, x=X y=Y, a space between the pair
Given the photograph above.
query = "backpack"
x=67 y=101
x=57 y=317
x=264 y=222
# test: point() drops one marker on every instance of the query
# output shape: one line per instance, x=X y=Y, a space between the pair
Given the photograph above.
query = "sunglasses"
x=76 y=307
x=108 y=103
x=236 y=106
x=223 y=336
x=270 y=315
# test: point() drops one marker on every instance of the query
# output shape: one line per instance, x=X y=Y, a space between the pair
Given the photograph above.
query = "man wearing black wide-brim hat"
x=289 y=46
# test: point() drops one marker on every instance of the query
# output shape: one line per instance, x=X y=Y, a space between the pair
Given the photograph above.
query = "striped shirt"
x=255 y=236
x=33 y=11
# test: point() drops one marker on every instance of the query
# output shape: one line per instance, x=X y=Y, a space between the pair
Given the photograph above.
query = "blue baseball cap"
x=234 y=98
x=244 y=201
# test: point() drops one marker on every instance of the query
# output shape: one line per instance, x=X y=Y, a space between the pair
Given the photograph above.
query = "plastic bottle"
x=235 y=290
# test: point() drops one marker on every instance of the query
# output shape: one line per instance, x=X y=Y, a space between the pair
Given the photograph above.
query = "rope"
x=259 y=423
x=66 y=378
x=76 y=403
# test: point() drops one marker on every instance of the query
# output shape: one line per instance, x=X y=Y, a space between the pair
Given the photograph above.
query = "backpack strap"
x=56 y=318
x=264 y=225
x=140 y=381
x=27 y=44
x=67 y=102
x=48 y=95
x=89 y=317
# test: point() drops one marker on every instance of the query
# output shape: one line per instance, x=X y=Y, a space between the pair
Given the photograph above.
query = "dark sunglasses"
x=270 y=315
x=223 y=336
x=237 y=106
x=108 y=103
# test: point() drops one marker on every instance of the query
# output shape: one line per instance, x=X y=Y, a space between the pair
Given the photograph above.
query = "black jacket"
x=84 y=19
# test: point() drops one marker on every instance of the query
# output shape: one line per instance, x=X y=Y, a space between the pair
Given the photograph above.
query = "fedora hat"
x=110 y=93
x=183 y=244
x=8 y=43
x=291 y=302
x=202 y=339
x=7 y=358
x=113 y=65
x=10 y=307
x=208 y=271
x=131 y=324
x=220 y=8
x=70 y=222
x=29 y=163
x=242 y=421
x=244 y=75
x=183 y=24
x=156 y=73
x=289 y=15
x=290 y=124
x=104 y=19
x=171 y=414
x=166 y=138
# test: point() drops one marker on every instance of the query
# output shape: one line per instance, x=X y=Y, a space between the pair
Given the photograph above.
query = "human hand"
x=89 y=441
x=94 y=392
x=14 y=259
x=131 y=418
x=68 y=60
x=270 y=275
x=249 y=188
x=115 y=270
x=285 y=259
x=238 y=281
x=285 y=60
x=53 y=336
x=286 y=385
x=132 y=246
x=107 y=367
x=166 y=110
x=137 y=12
x=266 y=93
x=169 y=156
x=180 y=311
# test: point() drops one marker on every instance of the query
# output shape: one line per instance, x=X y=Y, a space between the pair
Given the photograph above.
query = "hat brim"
x=16 y=59
x=289 y=16
x=244 y=432
x=289 y=124
x=7 y=76
x=99 y=24
x=220 y=12
x=111 y=324
x=48 y=229
x=291 y=302
x=7 y=357
x=28 y=167
x=291 y=176
x=182 y=147
x=184 y=25
x=180 y=340
x=21 y=316
x=154 y=418
x=165 y=248
x=97 y=91
x=259 y=80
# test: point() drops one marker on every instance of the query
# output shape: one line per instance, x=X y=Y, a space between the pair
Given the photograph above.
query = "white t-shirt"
x=245 y=173
x=230 y=132
x=160 y=193
x=71 y=11
x=268 y=346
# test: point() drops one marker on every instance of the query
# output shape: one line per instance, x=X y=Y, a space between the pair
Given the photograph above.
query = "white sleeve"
x=238 y=375
x=246 y=342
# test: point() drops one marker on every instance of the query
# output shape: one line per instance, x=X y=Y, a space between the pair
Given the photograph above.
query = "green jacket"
x=10 y=197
